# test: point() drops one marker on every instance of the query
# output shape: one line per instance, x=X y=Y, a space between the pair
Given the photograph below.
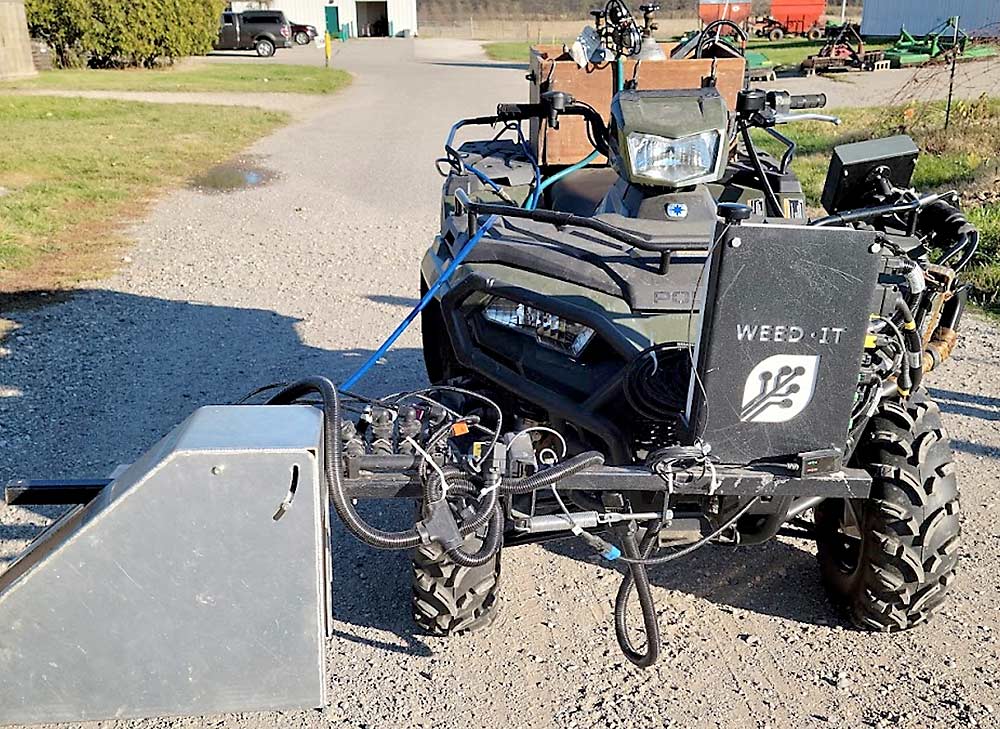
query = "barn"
x=358 y=19
x=884 y=17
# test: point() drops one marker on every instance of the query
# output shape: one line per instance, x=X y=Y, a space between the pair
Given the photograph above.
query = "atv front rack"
x=395 y=476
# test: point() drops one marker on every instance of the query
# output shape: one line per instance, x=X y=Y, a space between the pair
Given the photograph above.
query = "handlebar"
x=554 y=105
x=808 y=101
x=520 y=112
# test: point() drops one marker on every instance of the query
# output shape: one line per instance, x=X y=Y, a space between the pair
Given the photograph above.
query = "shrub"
x=115 y=33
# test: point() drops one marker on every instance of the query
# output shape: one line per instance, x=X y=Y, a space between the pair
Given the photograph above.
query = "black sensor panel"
x=849 y=179
x=781 y=341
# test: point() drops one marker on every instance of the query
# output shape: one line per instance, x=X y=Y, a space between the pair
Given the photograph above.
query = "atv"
x=650 y=354
x=735 y=365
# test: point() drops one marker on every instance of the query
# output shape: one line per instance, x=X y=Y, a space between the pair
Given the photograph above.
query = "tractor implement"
x=844 y=50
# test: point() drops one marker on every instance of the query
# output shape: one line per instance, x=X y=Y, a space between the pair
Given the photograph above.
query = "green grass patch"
x=516 y=51
x=204 y=77
x=73 y=170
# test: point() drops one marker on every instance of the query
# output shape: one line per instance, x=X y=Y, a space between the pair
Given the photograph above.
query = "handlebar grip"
x=515 y=112
x=808 y=101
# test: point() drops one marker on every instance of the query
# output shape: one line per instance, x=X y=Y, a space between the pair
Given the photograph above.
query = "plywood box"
x=569 y=144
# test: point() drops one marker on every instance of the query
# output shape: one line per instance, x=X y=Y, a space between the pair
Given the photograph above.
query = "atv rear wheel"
x=449 y=599
x=890 y=559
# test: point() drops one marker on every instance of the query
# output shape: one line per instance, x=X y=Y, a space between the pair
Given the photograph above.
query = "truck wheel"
x=814 y=34
x=264 y=48
x=776 y=34
x=449 y=599
x=890 y=559
x=302 y=38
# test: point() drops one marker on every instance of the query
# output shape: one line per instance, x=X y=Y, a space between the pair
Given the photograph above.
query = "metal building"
x=372 y=19
x=358 y=19
x=885 y=17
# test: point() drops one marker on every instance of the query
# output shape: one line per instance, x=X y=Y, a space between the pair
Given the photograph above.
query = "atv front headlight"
x=548 y=329
x=687 y=161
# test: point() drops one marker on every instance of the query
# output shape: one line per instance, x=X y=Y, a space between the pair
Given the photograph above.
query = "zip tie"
x=433 y=464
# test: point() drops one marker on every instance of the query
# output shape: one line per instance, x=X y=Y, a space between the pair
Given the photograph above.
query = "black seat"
x=582 y=191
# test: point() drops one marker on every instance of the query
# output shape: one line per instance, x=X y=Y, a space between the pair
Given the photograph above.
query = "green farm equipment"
x=937 y=45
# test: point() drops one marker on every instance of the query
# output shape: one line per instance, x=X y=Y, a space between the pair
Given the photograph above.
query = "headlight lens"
x=675 y=161
x=548 y=329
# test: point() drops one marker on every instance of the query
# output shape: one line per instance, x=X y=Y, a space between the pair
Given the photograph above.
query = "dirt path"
x=228 y=291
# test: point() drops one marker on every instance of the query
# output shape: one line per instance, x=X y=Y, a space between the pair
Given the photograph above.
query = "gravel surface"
x=224 y=292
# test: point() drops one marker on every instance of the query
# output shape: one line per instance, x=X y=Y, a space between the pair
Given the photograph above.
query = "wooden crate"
x=593 y=85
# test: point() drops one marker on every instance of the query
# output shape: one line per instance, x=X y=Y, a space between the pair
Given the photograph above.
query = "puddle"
x=240 y=174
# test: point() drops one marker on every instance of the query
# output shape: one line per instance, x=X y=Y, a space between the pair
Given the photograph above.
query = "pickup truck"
x=263 y=31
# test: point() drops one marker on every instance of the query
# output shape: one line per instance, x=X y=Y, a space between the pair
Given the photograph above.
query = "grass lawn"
x=72 y=171
x=966 y=158
x=512 y=51
x=240 y=77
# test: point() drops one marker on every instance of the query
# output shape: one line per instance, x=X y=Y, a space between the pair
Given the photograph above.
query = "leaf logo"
x=779 y=388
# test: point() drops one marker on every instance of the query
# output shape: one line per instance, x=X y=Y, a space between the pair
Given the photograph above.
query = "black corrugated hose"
x=488 y=512
x=378 y=538
x=637 y=576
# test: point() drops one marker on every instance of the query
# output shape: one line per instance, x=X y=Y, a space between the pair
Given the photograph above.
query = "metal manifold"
x=196 y=582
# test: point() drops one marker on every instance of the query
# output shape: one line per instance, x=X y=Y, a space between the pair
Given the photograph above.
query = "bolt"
x=736 y=242
x=875 y=248
x=217 y=470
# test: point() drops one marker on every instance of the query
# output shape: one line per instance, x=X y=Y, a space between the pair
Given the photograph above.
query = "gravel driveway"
x=224 y=292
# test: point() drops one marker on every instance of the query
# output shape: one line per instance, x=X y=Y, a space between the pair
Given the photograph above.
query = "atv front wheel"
x=449 y=599
x=890 y=559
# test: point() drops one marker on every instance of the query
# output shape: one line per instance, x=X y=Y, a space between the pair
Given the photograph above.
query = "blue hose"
x=531 y=203
x=351 y=381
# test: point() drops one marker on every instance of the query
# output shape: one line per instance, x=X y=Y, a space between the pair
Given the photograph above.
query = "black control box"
x=781 y=340
x=854 y=167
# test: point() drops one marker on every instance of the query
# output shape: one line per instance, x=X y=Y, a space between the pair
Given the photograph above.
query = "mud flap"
x=184 y=587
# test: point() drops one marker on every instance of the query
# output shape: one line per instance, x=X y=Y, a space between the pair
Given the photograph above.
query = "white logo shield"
x=779 y=388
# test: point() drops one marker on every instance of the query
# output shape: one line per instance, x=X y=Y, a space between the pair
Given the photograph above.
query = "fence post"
x=951 y=82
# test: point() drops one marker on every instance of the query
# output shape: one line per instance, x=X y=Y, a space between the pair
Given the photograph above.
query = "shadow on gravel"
x=975 y=449
x=404 y=301
x=962 y=403
x=100 y=376
x=776 y=578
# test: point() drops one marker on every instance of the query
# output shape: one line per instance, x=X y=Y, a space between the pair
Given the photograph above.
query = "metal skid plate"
x=175 y=591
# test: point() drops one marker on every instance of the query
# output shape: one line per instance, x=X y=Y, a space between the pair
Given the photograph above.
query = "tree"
x=116 y=33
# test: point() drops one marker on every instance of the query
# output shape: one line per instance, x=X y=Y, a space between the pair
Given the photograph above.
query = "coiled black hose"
x=458 y=483
x=638 y=577
x=549 y=476
x=493 y=540
x=333 y=463
x=950 y=224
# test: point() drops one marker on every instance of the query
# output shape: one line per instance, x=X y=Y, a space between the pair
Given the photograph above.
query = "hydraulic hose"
x=553 y=475
x=494 y=534
x=915 y=348
x=638 y=577
x=333 y=464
